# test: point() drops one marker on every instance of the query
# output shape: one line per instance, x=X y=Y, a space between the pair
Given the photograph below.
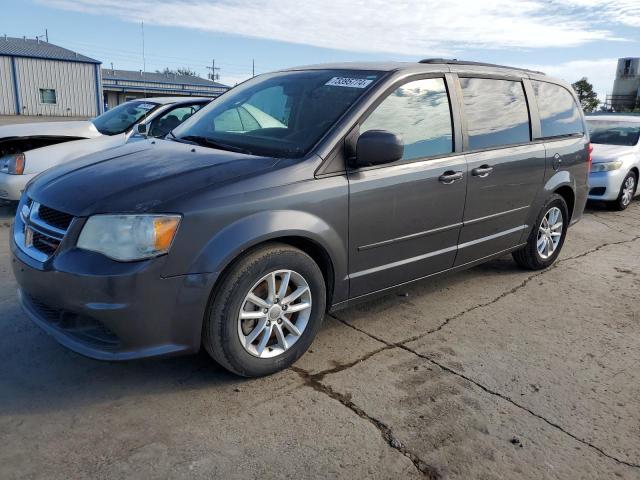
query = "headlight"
x=606 y=166
x=12 y=164
x=129 y=237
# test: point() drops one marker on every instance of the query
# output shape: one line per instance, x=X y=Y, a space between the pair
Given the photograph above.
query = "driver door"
x=405 y=217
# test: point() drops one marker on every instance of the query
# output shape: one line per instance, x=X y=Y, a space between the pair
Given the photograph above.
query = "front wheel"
x=627 y=192
x=266 y=312
x=547 y=237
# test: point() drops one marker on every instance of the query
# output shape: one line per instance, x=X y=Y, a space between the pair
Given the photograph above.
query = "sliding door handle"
x=482 y=171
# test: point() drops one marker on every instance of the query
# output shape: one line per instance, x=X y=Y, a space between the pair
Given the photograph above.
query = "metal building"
x=122 y=85
x=626 y=87
x=39 y=78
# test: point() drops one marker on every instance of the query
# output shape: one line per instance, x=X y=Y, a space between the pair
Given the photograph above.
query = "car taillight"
x=590 y=148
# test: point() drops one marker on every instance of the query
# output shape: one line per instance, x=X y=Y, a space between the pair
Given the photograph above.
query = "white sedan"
x=31 y=148
x=616 y=158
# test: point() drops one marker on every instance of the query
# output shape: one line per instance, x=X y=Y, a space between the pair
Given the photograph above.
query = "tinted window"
x=419 y=112
x=496 y=112
x=559 y=114
x=278 y=115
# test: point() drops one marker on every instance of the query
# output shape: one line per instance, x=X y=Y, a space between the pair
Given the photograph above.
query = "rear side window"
x=419 y=112
x=559 y=114
x=496 y=112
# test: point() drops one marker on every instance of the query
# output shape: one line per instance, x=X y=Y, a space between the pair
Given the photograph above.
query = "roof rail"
x=455 y=61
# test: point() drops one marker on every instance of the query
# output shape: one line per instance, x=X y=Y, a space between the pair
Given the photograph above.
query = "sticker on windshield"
x=146 y=106
x=349 y=82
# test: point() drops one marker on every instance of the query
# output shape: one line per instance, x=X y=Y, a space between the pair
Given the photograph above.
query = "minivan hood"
x=138 y=177
x=81 y=129
x=608 y=153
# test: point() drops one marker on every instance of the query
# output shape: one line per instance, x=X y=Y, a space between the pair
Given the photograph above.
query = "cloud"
x=600 y=72
x=412 y=27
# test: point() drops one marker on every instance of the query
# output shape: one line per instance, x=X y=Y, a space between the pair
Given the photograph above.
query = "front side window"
x=614 y=132
x=496 y=112
x=123 y=117
x=48 y=96
x=166 y=122
x=278 y=115
x=419 y=112
x=559 y=113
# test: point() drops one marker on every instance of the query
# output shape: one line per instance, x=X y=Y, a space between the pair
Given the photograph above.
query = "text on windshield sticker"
x=349 y=82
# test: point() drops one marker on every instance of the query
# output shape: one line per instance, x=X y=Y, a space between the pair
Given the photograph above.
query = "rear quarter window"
x=496 y=111
x=559 y=113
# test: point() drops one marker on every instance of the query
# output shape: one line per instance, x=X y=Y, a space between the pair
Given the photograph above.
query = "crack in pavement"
x=504 y=294
x=401 y=346
x=314 y=381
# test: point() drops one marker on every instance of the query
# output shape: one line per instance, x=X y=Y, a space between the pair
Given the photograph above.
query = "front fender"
x=264 y=226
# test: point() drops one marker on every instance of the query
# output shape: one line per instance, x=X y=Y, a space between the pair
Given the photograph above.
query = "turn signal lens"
x=165 y=229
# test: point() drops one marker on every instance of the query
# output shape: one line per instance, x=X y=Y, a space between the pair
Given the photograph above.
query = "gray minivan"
x=296 y=192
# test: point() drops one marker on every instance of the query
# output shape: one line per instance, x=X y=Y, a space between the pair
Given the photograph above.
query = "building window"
x=48 y=95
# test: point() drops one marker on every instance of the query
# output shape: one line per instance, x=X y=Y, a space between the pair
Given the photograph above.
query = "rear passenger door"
x=563 y=132
x=506 y=170
x=405 y=217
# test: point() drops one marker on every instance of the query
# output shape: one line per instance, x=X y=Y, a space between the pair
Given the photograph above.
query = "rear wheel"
x=627 y=192
x=266 y=312
x=547 y=238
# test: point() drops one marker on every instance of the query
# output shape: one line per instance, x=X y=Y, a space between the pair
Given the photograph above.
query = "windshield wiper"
x=208 y=142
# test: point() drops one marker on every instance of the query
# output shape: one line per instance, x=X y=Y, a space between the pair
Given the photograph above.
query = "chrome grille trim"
x=30 y=226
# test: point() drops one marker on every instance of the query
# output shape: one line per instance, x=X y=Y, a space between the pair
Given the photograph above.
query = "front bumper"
x=12 y=186
x=126 y=311
x=606 y=185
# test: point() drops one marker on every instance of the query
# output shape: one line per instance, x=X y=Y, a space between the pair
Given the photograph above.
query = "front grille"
x=45 y=244
x=40 y=230
x=55 y=218
x=597 y=191
x=83 y=328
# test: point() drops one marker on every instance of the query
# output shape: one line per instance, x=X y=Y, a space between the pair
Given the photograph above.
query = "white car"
x=31 y=148
x=616 y=158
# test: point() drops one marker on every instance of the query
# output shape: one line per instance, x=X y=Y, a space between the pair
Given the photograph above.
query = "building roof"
x=137 y=76
x=30 y=48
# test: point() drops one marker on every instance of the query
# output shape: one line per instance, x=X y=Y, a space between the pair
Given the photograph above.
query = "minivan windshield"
x=123 y=117
x=277 y=115
x=609 y=132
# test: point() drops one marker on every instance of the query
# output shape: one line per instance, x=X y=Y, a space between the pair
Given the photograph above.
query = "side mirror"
x=141 y=129
x=376 y=147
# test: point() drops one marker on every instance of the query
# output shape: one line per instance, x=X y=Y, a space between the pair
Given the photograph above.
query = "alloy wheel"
x=549 y=233
x=274 y=314
x=628 y=189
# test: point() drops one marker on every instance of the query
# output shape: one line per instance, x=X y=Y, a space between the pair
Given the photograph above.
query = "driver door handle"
x=450 y=176
x=483 y=171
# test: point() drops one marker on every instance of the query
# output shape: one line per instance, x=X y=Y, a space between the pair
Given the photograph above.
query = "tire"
x=627 y=192
x=530 y=257
x=226 y=337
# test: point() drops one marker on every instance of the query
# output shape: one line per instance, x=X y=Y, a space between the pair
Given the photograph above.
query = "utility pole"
x=253 y=67
x=214 y=75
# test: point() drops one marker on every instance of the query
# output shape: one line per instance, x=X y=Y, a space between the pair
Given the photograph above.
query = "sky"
x=570 y=39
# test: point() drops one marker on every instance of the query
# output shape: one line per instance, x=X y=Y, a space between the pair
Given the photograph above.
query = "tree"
x=179 y=71
x=588 y=98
